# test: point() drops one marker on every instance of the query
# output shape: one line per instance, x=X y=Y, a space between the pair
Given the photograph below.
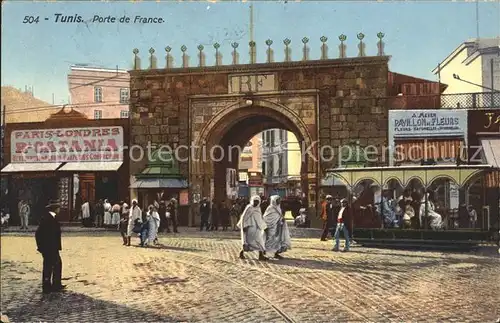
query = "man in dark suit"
x=205 y=214
x=48 y=241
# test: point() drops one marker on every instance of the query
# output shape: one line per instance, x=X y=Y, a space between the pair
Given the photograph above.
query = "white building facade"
x=281 y=162
x=472 y=68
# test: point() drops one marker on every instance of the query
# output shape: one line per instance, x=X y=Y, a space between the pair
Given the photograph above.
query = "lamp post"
x=457 y=77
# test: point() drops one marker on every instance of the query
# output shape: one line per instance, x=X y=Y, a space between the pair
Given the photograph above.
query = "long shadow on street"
x=74 y=307
x=26 y=303
x=354 y=267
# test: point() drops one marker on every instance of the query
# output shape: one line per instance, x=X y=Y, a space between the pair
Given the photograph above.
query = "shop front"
x=68 y=158
x=162 y=180
x=370 y=191
x=484 y=147
x=255 y=184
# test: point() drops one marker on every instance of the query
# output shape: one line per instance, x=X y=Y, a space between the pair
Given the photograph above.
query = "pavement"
x=197 y=277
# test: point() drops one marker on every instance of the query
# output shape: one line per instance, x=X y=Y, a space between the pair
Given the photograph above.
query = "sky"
x=418 y=34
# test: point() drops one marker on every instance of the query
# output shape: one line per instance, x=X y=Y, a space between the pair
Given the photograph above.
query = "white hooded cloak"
x=252 y=227
x=278 y=236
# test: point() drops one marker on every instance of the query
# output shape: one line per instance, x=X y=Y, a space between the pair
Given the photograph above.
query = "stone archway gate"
x=330 y=101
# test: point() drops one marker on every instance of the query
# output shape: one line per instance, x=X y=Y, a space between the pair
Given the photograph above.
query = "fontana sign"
x=67 y=144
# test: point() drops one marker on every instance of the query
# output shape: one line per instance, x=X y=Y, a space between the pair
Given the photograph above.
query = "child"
x=301 y=219
x=408 y=215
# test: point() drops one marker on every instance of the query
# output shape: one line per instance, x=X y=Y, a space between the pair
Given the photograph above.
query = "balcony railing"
x=480 y=100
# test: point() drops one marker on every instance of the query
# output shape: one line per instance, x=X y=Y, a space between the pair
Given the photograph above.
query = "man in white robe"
x=107 y=212
x=135 y=214
x=86 y=213
x=252 y=228
x=277 y=235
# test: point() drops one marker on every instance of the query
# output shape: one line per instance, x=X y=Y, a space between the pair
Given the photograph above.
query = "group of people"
x=147 y=225
x=409 y=211
x=266 y=232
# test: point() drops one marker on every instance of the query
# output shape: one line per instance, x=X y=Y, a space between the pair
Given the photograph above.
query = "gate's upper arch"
x=223 y=121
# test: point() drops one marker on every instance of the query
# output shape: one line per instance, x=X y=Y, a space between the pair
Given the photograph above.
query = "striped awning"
x=30 y=167
x=425 y=149
x=159 y=183
x=491 y=150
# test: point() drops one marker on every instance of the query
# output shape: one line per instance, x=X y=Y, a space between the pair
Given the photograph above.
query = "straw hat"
x=53 y=204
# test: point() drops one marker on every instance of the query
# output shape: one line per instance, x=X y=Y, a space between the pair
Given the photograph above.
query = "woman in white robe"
x=107 y=212
x=277 y=236
x=115 y=215
x=436 y=222
x=252 y=228
x=154 y=224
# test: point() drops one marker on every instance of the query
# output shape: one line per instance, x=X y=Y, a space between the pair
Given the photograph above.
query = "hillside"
x=22 y=107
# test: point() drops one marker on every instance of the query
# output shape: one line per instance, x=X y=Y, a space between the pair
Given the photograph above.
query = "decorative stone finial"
x=218 y=56
x=201 y=56
x=342 y=46
x=270 y=59
x=324 y=47
x=185 y=57
x=305 y=56
x=235 y=53
x=169 y=59
x=137 y=60
x=288 y=54
x=361 y=46
x=253 y=52
x=380 y=44
x=152 y=58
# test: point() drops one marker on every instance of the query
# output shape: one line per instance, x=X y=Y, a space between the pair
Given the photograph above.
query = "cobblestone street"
x=197 y=276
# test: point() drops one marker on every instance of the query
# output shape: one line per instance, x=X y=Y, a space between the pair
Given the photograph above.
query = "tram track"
x=288 y=318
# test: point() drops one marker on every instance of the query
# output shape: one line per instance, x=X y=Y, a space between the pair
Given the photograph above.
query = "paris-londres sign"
x=67 y=144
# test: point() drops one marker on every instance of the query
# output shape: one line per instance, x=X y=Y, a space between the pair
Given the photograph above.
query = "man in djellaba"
x=277 y=234
x=252 y=228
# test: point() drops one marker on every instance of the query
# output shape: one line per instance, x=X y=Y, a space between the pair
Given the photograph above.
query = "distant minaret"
x=477 y=20
x=251 y=22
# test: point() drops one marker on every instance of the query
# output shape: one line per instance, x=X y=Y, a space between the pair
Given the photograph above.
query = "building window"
x=98 y=94
x=124 y=114
x=124 y=96
x=97 y=114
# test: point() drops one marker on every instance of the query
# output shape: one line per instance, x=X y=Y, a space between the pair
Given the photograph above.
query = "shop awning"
x=30 y=167
x=404 y=174
x=491 y=148
x=159 y=183
x=91 y=167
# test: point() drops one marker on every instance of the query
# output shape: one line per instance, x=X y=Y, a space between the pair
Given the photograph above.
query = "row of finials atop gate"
x=169 y=59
